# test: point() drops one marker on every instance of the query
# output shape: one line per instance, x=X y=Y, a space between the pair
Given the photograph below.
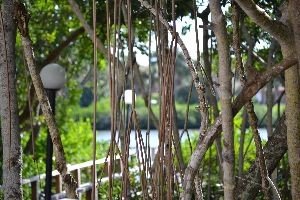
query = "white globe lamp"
x=53 y=76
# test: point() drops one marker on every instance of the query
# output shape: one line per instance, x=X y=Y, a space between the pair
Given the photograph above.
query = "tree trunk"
x=12 y=160
x=270 y=102
x=269 y=93
x=212 y=99
x=225 y=76
x=293 y=105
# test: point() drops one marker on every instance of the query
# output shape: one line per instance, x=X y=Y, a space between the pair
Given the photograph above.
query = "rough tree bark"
x=259 y=150
x=225 y=76
x=12 y=159
x=294 y=135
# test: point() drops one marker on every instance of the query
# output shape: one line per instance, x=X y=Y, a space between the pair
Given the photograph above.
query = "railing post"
x=76 y=175
x=89 y=195
x=34 y=190
x=58 y=184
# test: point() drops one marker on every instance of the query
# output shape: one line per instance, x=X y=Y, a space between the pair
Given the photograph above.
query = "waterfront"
x=104 y=135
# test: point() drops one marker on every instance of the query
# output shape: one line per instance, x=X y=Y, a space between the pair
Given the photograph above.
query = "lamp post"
x=128 y=98
x=53 y=78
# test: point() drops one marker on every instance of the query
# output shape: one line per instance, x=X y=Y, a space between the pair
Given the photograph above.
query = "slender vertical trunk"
x=225 y=76
x=12 y=159
x=209 y=174
x=177 y=143
x=293 y=126
x=269 y=94
x=293 y=104
x=249 y=63
x=212 y=99
x=270 y=102
x=242 y=142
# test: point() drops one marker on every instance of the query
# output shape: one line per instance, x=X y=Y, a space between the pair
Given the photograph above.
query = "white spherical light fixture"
x=53 y=76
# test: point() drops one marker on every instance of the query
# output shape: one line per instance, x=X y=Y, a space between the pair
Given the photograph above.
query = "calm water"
x=104 y=135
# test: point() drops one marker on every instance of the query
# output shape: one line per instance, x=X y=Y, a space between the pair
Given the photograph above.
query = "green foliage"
x=134 y=179
x=104 y=187
x=77 y=141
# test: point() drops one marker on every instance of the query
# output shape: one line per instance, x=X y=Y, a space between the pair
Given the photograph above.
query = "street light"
x=128 y=100
x=53 y=77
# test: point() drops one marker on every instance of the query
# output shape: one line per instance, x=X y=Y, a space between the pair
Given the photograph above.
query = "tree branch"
x=276 y=28
x=22 y=18
x=259 y=80
x=55 y=52
x=87 y=27
x=11 y=174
